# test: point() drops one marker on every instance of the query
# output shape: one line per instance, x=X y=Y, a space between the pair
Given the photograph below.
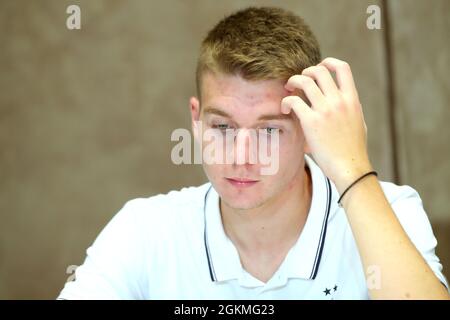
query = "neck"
x=276 y=225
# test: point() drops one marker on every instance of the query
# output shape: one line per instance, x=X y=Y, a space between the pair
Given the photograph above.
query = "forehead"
x=232 y=91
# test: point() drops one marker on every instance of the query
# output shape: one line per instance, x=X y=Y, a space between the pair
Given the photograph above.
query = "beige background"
x=86 y=115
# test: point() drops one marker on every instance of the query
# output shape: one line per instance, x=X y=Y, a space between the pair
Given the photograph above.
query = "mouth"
x=241 y=182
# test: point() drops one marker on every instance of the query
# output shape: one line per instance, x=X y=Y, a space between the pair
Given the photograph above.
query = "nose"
x=245 y=146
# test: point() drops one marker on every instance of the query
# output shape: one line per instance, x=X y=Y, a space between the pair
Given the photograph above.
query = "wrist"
x=366 y=175
x=349 y=174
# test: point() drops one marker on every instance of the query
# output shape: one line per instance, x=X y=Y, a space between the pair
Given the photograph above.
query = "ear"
x=194 y=105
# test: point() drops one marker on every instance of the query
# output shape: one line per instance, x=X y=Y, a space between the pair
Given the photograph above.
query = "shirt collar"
x=302 y=260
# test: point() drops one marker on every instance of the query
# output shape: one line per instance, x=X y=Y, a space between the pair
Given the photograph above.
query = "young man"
x=246 y=235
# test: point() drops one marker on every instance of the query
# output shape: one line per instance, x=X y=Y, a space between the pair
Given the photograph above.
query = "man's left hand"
x=333 y=126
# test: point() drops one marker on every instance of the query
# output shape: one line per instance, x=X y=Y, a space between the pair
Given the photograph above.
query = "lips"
x=242 y=182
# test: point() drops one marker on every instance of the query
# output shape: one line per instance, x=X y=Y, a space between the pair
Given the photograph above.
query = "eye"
x=221 y=126
x=271 y=130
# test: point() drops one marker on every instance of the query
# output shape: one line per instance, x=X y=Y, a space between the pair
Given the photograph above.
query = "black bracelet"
x=355 y=182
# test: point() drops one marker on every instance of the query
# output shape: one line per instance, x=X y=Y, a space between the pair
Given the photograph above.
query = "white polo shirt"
x=173 y=246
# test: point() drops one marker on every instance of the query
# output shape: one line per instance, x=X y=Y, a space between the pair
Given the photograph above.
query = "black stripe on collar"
x=323 y=233
x=208 y=255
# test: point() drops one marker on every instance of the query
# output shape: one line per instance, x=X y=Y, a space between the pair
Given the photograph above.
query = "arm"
x=335 y=132
x=382 y=242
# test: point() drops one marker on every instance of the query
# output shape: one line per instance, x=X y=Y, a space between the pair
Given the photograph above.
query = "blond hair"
x=258 y=43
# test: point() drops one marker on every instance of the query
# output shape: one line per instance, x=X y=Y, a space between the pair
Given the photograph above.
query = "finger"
x=309 y=87
x=323 y=78
x=343 y=74
x=301 y=109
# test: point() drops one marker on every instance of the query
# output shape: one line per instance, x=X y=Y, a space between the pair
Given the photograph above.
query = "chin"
x=242 y=204
x=242 y=198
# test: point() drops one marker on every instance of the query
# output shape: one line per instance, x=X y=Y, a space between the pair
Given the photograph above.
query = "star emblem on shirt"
x=328 y=291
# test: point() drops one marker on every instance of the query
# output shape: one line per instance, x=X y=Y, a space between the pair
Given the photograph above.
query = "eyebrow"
x=281 y=116
x=212 y=110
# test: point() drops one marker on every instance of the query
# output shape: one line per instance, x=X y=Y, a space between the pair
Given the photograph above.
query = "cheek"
x=214 y=172
x=291 y=152
x=292 y=142
x=290 y=155
x=211 y=169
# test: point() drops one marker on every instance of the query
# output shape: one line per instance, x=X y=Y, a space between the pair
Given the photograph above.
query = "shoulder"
x=155 y=221
x=187 y=196
x=158 y=212
x=407 y=205
x=395 y=193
